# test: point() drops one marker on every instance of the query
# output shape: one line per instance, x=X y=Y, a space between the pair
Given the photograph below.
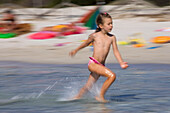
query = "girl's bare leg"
x=91 y=80
x=103 y=71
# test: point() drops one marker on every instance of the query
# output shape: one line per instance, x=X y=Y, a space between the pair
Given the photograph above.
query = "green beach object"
x=7 y=35
x=91 y=23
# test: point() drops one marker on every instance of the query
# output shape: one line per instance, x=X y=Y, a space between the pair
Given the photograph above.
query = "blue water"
x=47 y=88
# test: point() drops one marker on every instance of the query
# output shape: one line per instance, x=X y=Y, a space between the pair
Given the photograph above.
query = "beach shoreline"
x=60 y=55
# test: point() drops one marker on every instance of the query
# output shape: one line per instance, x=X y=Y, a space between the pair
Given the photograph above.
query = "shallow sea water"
x=48 y=88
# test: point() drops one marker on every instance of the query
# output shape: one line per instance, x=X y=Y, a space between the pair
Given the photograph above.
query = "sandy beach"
x=23 y=49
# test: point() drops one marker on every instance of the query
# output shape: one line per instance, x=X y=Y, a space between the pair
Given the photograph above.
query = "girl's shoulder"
x=97 y=34
x=112 y=36
x=93 y=35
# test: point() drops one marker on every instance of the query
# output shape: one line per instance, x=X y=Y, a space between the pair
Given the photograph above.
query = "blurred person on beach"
x=8 y=20
x=102 y=41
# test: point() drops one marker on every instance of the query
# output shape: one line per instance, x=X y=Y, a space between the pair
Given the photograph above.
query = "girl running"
x=102 y=41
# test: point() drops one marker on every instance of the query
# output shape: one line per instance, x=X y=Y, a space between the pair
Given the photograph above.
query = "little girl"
x=102 y=41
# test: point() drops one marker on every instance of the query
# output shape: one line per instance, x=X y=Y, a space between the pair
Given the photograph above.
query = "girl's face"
x=107 y=25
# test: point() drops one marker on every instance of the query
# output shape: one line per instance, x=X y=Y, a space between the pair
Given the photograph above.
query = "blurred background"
x=141 y=22
x=117 y=8
x=52 y=3
x=137 y=23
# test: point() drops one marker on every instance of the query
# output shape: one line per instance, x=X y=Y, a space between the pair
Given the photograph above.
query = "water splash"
x=48 y=88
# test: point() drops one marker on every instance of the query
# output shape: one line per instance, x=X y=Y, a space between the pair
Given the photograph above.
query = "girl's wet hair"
x=99 y=20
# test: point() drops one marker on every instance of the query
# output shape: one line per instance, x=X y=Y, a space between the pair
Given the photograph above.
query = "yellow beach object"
x=60 y=26
x=161 y=39
x=122 y=43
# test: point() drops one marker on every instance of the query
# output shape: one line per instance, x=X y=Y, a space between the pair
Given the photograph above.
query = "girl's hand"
x=123 y=65
x=72 y=53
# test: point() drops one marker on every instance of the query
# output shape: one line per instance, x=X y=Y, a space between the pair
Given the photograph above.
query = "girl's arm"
x=117 y=54
x=83 y=45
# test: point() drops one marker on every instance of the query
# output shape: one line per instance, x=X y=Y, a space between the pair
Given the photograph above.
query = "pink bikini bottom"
x=93 y=60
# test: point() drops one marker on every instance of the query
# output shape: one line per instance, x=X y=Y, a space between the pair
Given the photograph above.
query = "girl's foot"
x=76 y=98
x=101 y=100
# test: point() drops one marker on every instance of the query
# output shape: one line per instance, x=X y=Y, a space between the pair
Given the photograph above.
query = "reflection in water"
x=97 y=108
